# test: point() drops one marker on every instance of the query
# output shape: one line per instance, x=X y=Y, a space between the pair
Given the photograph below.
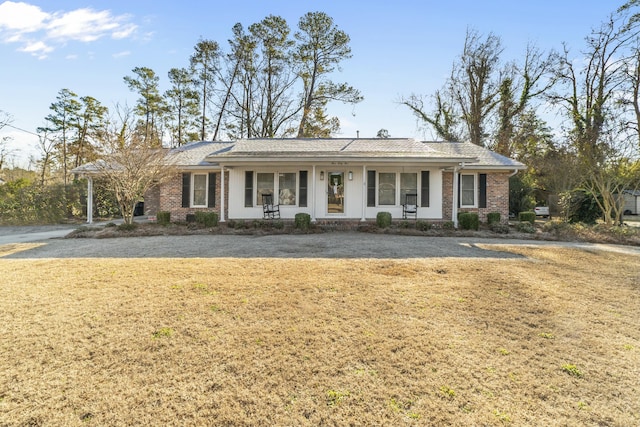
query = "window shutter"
x=212 y=191
x=186 y=190
x=302 y=196
x=248 y=189
x=459 y=188
x=371 y=188
x=424 y=190
x=482 y=190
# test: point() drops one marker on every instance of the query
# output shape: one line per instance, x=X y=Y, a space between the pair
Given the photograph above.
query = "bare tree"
x=129 y=164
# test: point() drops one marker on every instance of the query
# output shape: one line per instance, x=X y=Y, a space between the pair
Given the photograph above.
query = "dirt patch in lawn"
x=548 y=339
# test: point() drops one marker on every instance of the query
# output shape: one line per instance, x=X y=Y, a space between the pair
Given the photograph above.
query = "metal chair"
x=269 y=210
x=410 y=206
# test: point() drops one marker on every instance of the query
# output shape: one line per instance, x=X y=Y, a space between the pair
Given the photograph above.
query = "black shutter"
x=186 y=190
x=482 y=190
x=212 y=191
x=424 y=190
x=459 y=188
x=371 y=188
x=302 y=196
x=248 y=189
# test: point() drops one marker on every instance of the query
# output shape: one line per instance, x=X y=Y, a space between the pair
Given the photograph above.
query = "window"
x=467 y=190
x=302 y=201
x=386 y=188
x=408 y=185
x=199 y=190
x=287 y=188
x=371 y=188
x=248 y=189
x=424 y=193
x=264 y=185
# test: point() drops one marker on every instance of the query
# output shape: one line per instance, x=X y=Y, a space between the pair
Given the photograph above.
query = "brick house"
x=335 y=179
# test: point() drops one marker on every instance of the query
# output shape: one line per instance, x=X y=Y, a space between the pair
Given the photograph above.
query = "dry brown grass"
x=321 y=342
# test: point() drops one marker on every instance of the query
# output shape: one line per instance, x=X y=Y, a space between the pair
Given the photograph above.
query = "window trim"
x=193 y=190
x=475 y=190
x=276 y=185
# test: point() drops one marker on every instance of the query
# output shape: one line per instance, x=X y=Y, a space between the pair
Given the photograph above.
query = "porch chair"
x=269 y=210
x=410 y=206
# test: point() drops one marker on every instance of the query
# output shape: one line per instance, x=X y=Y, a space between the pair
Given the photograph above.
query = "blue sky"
x=399 y=47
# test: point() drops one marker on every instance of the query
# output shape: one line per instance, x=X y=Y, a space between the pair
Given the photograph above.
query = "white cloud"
x=122 y=54
x=39 y=32
x=21 y=17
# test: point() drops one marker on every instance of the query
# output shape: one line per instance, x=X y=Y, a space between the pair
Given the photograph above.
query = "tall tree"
x=275 y=79
x=62 y=126
x=321 y=47
x=150 y=106
x=588 y=96
x=205 y=64
x=475 y=82
x=521 y=84
x=444 y=119
x=90 y=121
x=183 y=104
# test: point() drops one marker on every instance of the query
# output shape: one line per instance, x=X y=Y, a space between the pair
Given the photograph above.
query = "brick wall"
x=171 y=198
x=497 y=196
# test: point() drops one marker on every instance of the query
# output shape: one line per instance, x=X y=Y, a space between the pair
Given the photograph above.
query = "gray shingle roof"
x=195 y=153
x=374 y=148
x=486 y=157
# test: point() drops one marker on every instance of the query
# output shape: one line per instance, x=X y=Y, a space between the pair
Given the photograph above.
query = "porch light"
x=350 y=175
x=321 y=175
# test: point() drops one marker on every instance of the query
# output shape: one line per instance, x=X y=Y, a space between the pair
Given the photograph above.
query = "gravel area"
x=325 y=245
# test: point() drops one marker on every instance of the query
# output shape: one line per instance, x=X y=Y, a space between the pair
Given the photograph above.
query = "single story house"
x=335 y=179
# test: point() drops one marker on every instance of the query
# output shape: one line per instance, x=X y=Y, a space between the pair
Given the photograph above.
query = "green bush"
x=208 y=219
x=127 y=227
x=499 y=228
x=580 y=206
x=383 y=219
x=493 y=218
x=469 y=221
x=163 y=217
x=302 y=221
x=525 y=227
x=423 y=225
x=448 y=225
x=527 y=216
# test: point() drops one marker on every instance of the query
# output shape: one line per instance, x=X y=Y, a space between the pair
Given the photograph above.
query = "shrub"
x=493 y=218
x=580 y=206
x=163 y=217
x=423 y=225
x=302 y=221
x=525 y=227
x=528 y=216
x=127 y=227
x=448 y=225
x=208 y=219
x=469 y=221
x=383 y=219
x=499 y=228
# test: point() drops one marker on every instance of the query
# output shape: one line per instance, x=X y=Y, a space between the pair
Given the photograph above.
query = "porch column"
x=454 y=210
x=89 y=200
x=223 y=193
x=313 y=194
x=364 y=193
